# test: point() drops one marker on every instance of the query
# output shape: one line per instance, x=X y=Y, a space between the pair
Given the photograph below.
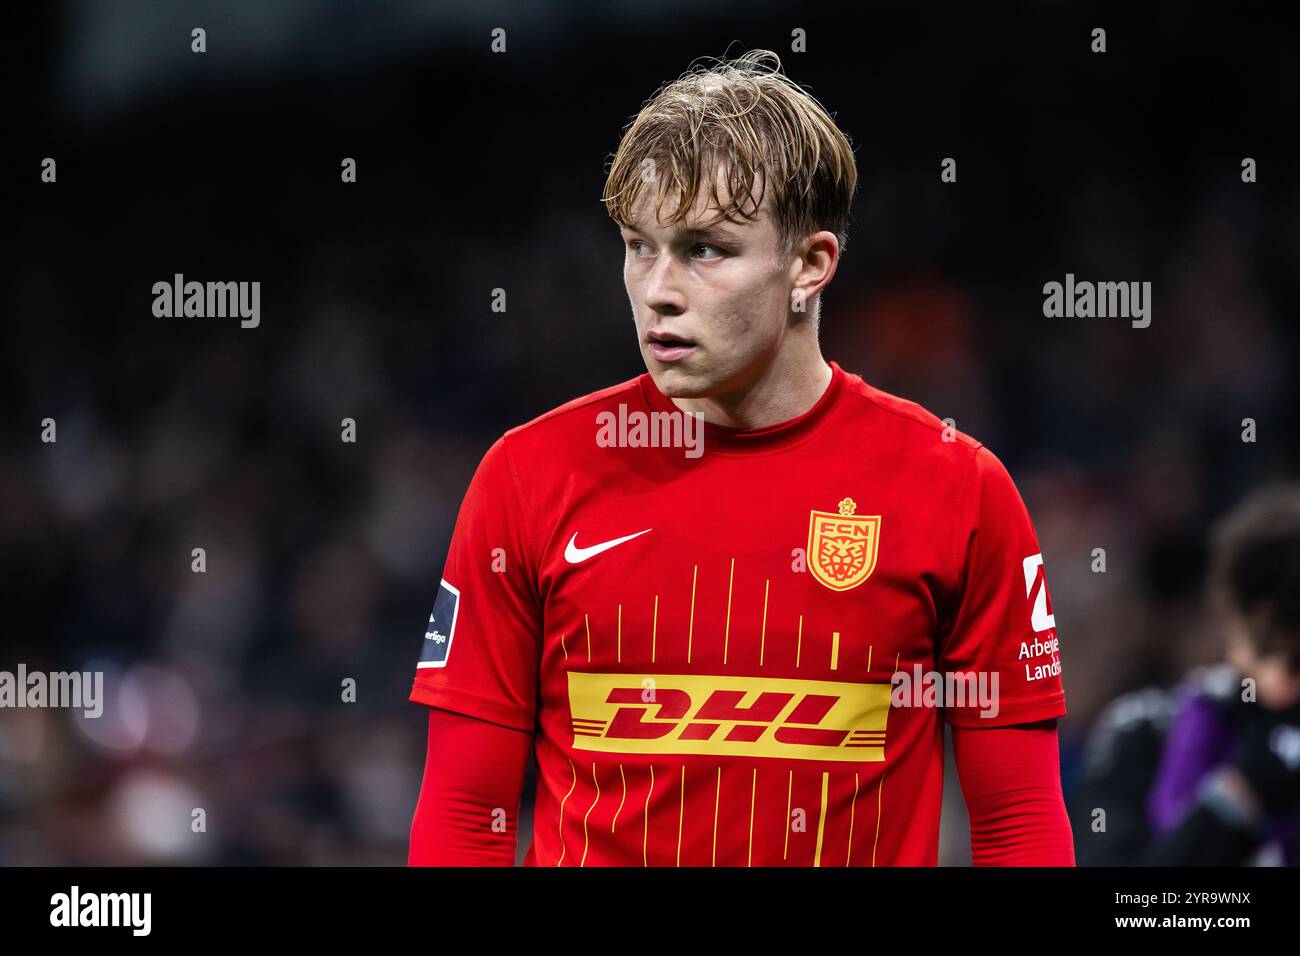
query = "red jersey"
x=723 y=651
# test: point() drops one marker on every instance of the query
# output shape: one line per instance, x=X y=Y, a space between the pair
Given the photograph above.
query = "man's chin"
x=678 y=382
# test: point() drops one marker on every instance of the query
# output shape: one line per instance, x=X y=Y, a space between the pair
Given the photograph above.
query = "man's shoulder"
x=909 y=418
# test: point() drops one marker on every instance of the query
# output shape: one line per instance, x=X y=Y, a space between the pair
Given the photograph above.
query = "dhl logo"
x=728 y=716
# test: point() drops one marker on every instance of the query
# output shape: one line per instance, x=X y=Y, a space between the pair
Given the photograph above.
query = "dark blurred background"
x=477 y=171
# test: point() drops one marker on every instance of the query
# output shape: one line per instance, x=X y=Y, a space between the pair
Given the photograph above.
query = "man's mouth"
x=667 y=346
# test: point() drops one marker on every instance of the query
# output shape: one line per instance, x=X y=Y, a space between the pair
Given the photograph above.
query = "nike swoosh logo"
x=576 y=555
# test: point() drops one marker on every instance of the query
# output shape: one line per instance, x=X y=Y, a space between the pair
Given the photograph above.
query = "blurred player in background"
x=690 y=593
x=1209 y=773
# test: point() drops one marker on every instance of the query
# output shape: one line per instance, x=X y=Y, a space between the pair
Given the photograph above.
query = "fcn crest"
x=842 y=547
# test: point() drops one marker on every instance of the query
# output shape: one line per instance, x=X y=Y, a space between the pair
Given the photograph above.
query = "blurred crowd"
x=226 y=689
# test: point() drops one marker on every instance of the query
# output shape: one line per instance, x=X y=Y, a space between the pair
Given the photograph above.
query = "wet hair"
x=748 y=119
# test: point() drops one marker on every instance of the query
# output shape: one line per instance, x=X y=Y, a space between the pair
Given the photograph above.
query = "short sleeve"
x=1002 y=632
x=480 y=653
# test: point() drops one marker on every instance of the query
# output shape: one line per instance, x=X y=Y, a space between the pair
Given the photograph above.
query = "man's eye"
x=632 y=245
x=702 y=245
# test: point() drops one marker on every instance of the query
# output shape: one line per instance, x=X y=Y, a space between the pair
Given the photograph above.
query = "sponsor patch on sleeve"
x=442 y=627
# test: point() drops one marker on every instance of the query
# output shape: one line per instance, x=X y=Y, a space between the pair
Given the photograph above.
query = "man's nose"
x=663 y=291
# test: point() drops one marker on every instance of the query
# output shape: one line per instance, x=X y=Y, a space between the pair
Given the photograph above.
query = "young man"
x=1208 y=773
x=693 y=590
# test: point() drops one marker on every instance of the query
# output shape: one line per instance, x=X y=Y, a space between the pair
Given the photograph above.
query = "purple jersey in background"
x=1202 y=737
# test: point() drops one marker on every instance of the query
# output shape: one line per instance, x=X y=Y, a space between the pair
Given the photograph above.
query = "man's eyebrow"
x=713 y=230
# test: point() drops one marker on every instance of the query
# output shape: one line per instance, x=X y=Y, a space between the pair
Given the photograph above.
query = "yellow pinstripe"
x=821 y=820
x=726 y=633
x=574 y=771
x=614 y=822
x=583 y=861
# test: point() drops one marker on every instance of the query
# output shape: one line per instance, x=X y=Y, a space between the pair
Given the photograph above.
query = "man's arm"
x=467 y=814
x=1011 y=779
x=478 y=675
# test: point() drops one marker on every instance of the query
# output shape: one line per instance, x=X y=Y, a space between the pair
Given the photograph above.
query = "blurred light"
x=149 y=707
x=152 y=813
x=121 y=726
x=171 y=710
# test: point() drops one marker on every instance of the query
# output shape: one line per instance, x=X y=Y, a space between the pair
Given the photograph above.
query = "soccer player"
x=1208 y=772
x=689 y=594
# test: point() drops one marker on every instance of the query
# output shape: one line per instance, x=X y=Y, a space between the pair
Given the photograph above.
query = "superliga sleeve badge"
x=441 y=628
x=842 y=546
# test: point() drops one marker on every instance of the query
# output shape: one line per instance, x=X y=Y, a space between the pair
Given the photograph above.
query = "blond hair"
x=748 y=117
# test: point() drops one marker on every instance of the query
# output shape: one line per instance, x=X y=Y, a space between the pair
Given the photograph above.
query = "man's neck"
x=781 y=392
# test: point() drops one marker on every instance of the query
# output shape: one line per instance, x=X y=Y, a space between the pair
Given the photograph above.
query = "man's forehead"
x=699 y=219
